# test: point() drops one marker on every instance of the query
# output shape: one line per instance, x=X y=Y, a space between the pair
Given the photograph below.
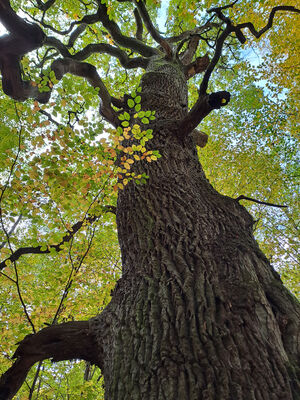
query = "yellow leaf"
x=126 y=165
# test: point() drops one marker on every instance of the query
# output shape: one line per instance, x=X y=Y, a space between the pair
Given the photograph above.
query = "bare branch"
x=12 y=229
x=68 y=341
x=187 y=35
x=216 y=9
x=75 y=34
x=187 y=56
x=242 y=197
x=239 y=34
x=258 y=34
x=54 y=247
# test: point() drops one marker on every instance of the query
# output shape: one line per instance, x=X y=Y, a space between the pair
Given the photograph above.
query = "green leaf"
x=130 y=103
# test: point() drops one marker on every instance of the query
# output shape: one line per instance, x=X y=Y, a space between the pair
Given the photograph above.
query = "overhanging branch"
x=68 y=341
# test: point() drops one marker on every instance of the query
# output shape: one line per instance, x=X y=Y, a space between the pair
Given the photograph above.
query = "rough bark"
x=199 y=312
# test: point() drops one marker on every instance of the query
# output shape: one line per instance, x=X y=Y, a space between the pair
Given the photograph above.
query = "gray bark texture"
x=199 y=313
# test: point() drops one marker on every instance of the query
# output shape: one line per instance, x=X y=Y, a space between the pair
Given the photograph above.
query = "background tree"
x=198 y=310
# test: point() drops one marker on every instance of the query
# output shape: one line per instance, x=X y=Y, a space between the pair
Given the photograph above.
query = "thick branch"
x=204 y=105
x=188 y=54
x=23 y=38
x=125 y=61
x=119 y=38
x=215 y=59
x=68 y=341
x=151 y=28
x=54 y=247
x=139 y=24
x=88 y=71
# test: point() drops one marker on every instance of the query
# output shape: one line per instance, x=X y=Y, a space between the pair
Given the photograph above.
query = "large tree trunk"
x=199 y=312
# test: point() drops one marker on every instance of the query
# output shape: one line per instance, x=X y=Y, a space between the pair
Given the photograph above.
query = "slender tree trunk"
x=199 y=312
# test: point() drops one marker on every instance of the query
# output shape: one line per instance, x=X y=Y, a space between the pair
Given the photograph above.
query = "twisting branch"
x=122 y=56
x=242 y=197
x=54 y=247
x=122 y=40
x=88 y=71
x=258 y=34
x=239 y=34
x=23 y=38
x=68 y=341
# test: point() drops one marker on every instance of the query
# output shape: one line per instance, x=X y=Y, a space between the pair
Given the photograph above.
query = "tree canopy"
x=60 y=62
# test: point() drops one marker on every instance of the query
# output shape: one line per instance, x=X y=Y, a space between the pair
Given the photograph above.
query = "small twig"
x=222 y=8
x=242 y=197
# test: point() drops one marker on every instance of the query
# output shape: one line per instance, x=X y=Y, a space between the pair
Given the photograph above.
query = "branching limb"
x=88 y=71
x=258 y=34
x=125 y=61
x=151 y=28
x=230 y=27
x=215 y=59
x=54 y=247
x=122 y=40
x=68 y=341
x=187 y=35
x=204 y=105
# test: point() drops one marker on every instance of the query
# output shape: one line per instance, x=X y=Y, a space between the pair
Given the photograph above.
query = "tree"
x=199 y=311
